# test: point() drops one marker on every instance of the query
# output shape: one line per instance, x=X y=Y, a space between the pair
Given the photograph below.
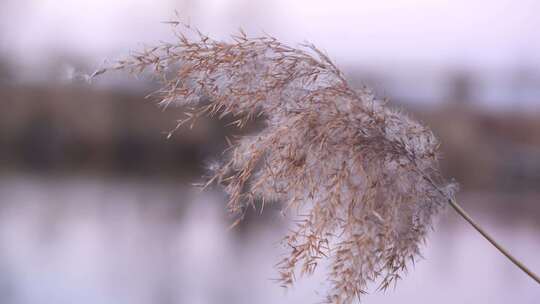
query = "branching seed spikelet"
x=365 y=176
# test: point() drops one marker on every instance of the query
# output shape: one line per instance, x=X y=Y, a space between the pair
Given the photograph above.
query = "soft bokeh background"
x=96 y=204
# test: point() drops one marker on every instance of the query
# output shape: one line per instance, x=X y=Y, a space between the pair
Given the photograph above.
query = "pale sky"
x=415 y=44
x=428 y=32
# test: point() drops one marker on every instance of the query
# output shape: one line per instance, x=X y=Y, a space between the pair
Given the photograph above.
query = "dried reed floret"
x=364 y=176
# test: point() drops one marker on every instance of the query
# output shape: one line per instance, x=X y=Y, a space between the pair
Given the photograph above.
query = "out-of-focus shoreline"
x=70 y=128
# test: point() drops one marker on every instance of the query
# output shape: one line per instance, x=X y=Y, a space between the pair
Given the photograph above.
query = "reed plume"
x=361 y=177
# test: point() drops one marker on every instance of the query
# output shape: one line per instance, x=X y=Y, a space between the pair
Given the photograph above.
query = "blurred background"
x=96 y=205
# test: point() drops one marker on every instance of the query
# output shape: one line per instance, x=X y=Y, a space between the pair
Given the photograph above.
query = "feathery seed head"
x=365 y=174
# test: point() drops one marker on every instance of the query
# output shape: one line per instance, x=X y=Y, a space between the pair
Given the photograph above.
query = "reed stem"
x=469 y=219
x=466 y=216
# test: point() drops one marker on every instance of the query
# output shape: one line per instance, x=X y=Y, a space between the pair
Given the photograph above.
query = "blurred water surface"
x=87 y=239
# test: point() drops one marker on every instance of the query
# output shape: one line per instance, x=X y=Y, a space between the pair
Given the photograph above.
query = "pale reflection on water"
x=106 y=240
